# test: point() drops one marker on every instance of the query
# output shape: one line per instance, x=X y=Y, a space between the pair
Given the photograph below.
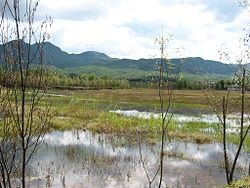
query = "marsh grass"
x=149 y=97
x=72 y=112
x=197 y=127
x=235 y=139
x=149 y=129
x=174 y=154
x=111 y=123
x=89 y=109
x=243 y=183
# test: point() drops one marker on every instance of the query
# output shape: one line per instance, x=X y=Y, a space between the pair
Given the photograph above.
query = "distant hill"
x=103 y=65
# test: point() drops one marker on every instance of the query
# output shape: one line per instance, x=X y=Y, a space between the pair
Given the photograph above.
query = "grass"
x=233 y=138
x=78 y=111
x=243 y=183
x=90 y=109
x=131 y=128
x=71 y=112
x=197 y=127
x=149 y=99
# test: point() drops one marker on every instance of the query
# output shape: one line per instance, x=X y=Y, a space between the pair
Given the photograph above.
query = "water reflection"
x=83 y=159
x=232 y=120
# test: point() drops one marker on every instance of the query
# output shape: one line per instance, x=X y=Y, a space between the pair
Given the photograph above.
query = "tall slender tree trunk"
x=24 y=168
x=224 y=108
x=242 y=138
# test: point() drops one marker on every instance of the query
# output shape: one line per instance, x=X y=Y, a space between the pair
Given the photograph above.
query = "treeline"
x=72 y=81
x=180 y=84
x=229 y=84
x=85 y=81
x=52 y=79
x=189 y=84
x=225 y=84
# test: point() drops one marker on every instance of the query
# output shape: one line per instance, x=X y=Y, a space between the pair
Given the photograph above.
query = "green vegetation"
x=243 y=183
x=83 y=109
x=118 y=79
x=90 y=110
x=66 y=81
x=103 y=65
x=85 y=81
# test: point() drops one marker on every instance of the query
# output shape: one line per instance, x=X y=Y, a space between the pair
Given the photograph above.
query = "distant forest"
x=73 y=81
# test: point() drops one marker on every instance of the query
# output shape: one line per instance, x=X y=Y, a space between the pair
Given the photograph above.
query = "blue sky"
x=128 y=28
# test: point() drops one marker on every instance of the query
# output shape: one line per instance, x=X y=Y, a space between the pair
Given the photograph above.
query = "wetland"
x=105 y=138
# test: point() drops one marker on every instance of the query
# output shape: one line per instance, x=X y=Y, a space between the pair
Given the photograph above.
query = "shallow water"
x=83 y=159
x=232 y=120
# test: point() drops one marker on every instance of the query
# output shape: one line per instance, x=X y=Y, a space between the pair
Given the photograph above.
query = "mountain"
x=61 y=59
x=102 y=64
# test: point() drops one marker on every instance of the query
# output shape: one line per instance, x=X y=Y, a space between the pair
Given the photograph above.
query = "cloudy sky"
x=128 y=28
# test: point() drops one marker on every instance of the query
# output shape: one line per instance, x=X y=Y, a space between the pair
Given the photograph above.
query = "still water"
x=83 y=159
x=233 y=120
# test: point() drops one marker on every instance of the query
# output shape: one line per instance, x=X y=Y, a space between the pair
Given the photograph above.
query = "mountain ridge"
x=74 y=62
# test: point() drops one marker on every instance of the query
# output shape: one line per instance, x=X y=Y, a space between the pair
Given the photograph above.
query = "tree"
x=226 y=104
x=167 y=74
x=222 y=107
x=22 y=62
x=166 y=99
x=8 y=143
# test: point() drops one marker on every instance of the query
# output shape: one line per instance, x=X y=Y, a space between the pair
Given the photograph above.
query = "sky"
x=128 y=28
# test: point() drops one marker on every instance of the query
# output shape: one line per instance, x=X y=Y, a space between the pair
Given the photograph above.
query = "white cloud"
x=127 y=28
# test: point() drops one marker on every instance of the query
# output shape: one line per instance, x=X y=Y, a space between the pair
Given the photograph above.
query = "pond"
x=83 y=159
